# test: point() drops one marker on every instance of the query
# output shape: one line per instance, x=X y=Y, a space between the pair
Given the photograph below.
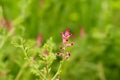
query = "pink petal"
x=70 y=44
x=63 y=35
x=67 y=33
x=39 y=39
x=64 y=41
x=60 y=54
x=67 y=55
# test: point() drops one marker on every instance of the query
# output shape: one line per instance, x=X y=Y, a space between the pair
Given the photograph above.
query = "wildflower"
x=62 y=48
x=67 y=55
x=65 y=36
x=60 y=54
x=66 y=44
x=39 y=39
x=65 y=41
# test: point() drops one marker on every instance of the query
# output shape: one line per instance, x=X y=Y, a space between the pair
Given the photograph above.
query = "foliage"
x=93 y=23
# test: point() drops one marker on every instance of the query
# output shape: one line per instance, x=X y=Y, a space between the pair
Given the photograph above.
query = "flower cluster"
x=66 y=44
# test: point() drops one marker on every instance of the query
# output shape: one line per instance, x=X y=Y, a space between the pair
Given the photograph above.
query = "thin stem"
x=2 y=43
x=4 y=16
x=3 y=12
x=21 y=71
x=58 y=71
x=42 y=76
x=47 y=70
x=101 y=71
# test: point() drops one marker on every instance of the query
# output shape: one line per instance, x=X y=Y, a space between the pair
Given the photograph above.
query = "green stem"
x=58 y=71
x=47 y=70
x=2 y=43
x=101 y=71
x=27 y=58
x=42 y=76
x=21 y=71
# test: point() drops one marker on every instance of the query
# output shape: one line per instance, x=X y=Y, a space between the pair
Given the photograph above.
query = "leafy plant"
x=40 y=58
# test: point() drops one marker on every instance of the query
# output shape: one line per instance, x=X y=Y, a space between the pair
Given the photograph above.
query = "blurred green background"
x=93 y=23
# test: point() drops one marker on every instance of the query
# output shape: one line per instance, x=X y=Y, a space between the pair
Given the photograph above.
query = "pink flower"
x=67 y=55
x=62 y=48
x=70 y=44
x=65 y=36
x=64 y=41
x=39 y=39
x=60 y=54
x=66 y=44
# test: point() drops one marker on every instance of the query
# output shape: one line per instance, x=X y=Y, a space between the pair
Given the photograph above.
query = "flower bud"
x=60 y=54
x=70 y=44
x=67 y=55
x=45 y=53
x=62 y=48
